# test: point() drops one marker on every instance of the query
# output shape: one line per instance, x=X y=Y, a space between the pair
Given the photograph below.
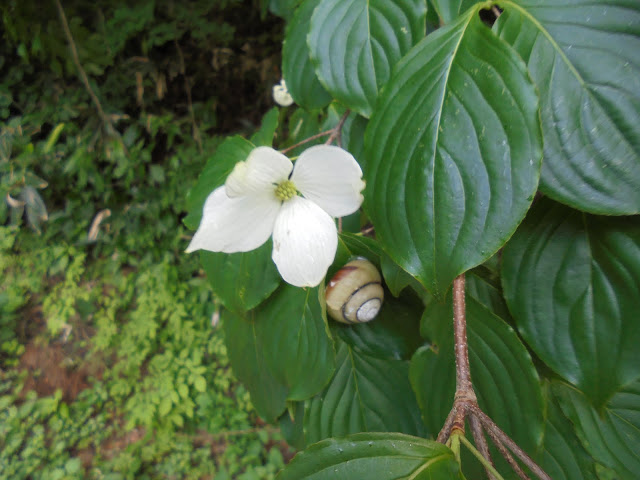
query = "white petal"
x=331 y=177
x=281 y=94
x=263 y=168
x=305 y=240
x=238 y=224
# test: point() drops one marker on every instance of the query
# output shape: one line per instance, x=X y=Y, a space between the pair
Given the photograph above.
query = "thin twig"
x=307 y=140
x=507 y=456
x=187 y=88
x=491 y=471
x=481 y=442
x=83 y=75
x=337 y=131
x=490 y=426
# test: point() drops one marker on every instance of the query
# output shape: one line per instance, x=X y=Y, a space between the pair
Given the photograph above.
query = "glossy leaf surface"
x=241 y=281
x=612 y=434
x=502 y=371
x=297 y=348
x=246 y=353
x=380 y=456
x=449 y=10
x=298 y=71
x=281 y=351
x=453 y=153
x=562 y=455
x=572 y=283
x=355 y=44
x=366 y=394
x=584 y=57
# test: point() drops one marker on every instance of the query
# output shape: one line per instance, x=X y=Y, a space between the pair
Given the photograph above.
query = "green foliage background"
x=133 y=322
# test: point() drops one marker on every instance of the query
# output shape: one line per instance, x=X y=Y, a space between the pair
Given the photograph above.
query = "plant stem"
x=83 y=76
x=491 y=428
x=464 y=387
x=465 y=403
x=491 y=471
x=187 y=88
x=337 y=131
x=307 y=140
x=481 y=442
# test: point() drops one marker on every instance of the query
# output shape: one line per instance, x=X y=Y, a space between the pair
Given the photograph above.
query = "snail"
x=355 y=293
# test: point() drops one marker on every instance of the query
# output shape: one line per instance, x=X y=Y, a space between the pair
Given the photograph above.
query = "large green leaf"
x=584 y=57
x=355 y=44
x=502 y=371
x=241 y=281
x=246 y=353
x=297 y=348
x=281 y=351
x=298 y=71
x=453 y=153
x=379 y=456
x=366 y=394
x=562 y=455
x=448 y=10
x=572 y=283
x=612 y=434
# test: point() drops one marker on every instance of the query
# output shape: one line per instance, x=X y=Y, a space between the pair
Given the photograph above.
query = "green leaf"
x=366 y=394
x=165 y=406
x=352 y=245
x=584 y=57
x=453 y=153
x=488 y=295
x=379 y=456
x=393 y=334
x=612 y=434
x=264 y=136
x=302 y=125
x=219 y=166
x=502 y=371
x=298 y=71
x=562 y=456
x=282 y=8
x=246 y=353
x=241 y=281
x=200 y=384
x=297 y=347
x=449 y=10
x=395 y=277
x=572 y=283
x=355 y=44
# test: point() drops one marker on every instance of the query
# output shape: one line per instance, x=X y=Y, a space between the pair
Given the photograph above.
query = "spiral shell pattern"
x=355 y=293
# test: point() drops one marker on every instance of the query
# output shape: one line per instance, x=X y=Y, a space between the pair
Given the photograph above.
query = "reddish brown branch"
x=481 y=442
x=337 y=131
x=464 y=387
x=465 y=404
x=490 y=426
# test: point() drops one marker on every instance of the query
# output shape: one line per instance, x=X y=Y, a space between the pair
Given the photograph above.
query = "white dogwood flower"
x=281 y=94
x=261 y=197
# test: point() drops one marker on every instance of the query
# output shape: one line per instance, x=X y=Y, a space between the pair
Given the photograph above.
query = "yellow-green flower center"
x=286 y=190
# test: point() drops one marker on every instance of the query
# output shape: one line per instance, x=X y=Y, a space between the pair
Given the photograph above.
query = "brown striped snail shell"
x=355 y=293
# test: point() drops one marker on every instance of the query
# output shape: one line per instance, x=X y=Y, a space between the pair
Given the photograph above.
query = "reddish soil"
x=51 y=368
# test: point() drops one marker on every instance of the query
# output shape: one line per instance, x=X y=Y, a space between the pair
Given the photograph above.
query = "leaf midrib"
x=470 y=16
